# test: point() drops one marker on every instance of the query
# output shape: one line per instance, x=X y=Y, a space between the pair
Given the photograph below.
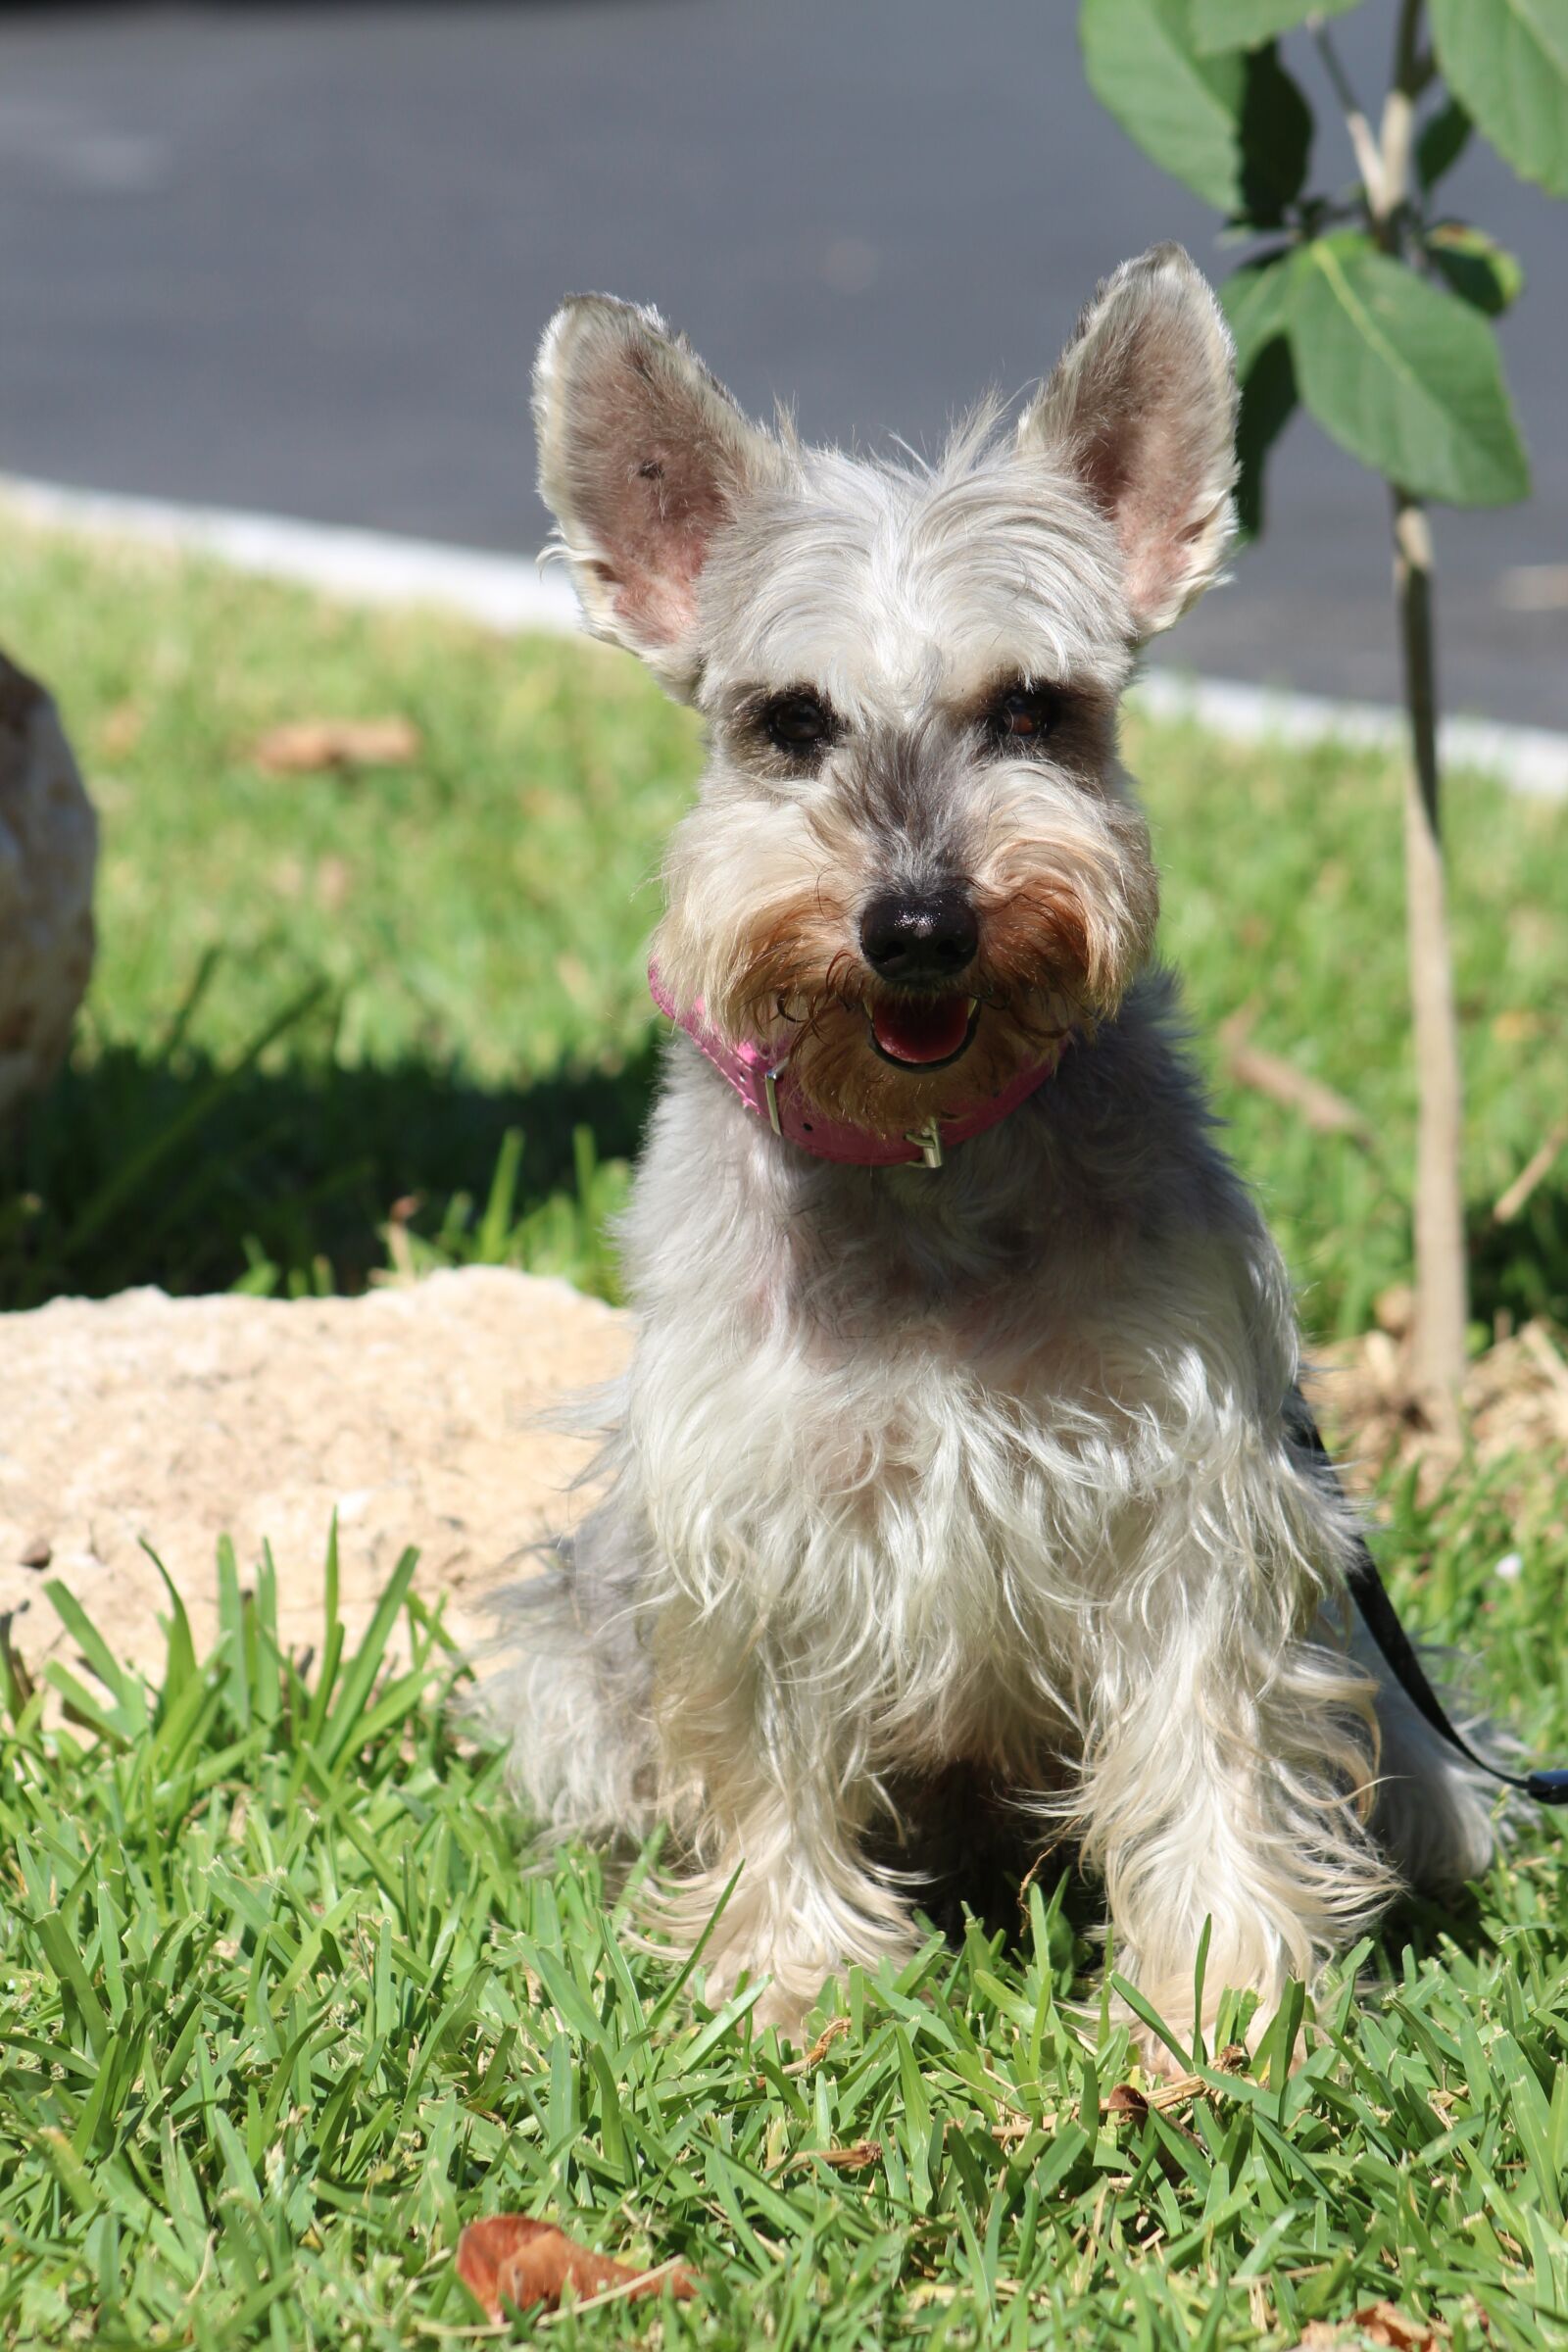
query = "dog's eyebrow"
x=1013 y=677
x=752 y=697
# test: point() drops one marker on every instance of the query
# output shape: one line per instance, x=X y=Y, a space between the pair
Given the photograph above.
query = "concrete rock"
x=48 y=849
x=416 y=1413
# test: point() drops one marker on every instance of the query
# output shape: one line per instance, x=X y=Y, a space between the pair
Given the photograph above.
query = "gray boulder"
x=48 y=850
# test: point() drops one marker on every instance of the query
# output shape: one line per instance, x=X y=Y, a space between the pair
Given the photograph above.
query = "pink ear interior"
x=1142 y=409
x=1146 y=461
x=651 y=479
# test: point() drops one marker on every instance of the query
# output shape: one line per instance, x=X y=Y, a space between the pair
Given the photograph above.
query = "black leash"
x=1382 y=1621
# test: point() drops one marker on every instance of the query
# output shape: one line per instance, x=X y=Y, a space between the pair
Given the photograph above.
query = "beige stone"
x=48 y=849
x=418 y=1414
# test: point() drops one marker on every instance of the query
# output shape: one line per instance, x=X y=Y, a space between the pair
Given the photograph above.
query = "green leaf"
x=1182 y=109
x=1481 y=271
x=1243 y=24
x=1507 y=60
x=1233 y=128
x=1253 y=299
x=1406 y=377
x=1442 y=140
x=1269 y=400
x=1276 y=139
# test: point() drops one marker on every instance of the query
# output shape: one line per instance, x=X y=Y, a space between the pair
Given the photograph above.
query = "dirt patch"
x=416 y=1413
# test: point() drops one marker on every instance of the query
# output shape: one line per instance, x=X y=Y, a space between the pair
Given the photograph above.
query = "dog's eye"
x=1023 y=714
x=798 y=724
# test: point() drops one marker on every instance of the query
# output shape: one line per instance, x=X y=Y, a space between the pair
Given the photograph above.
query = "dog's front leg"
x=1229 y=1783
x=780 y=1809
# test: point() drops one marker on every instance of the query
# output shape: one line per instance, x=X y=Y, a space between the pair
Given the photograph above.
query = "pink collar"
x=769 y=1092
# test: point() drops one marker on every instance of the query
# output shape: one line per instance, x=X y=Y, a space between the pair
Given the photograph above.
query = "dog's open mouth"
x=923 y=1033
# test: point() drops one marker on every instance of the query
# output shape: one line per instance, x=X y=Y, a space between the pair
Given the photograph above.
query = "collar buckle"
x=929 y=1140
x=770 y=1079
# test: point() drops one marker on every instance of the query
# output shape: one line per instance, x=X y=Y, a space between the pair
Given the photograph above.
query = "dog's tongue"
x=922 y=1028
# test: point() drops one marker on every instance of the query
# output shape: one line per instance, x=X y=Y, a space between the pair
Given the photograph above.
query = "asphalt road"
x=296 y=257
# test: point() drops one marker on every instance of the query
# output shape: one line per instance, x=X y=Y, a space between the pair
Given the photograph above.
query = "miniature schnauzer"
x=962 y=1426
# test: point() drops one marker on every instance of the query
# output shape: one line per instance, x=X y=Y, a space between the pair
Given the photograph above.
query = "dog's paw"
x=784 y=2010
x=780 y=2003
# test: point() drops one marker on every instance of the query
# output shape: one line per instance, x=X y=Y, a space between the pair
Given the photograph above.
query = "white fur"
x=987 y=1466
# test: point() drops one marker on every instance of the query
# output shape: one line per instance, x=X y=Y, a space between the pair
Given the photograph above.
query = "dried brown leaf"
x=121 y=731
x=1381 y=2323
x=1177 y=2092
x=507 y=2258
x=305 y=747
x=853 y=2159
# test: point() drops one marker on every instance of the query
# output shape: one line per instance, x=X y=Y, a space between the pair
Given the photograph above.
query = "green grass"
x=285 y=2000
x=286 y=1995
x=320 y=996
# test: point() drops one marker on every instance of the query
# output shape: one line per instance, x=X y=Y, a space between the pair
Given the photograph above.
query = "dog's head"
x=913 y=861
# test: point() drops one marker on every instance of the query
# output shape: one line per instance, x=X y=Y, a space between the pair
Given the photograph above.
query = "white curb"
x=1532 y=759
x=373 y=567
x=505 y=592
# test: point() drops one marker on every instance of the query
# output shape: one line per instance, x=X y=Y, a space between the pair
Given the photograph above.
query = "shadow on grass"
x=284 y=1170
x=170 y=1170
x=1522 y=1268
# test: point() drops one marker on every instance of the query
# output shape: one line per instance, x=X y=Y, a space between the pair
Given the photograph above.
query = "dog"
x=961 y=1444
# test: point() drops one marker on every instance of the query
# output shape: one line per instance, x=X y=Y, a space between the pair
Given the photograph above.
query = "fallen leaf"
x=853 y=2159
x=121 y=731
x=508 y=2259
x=1176 y=2091
x=1381 y=2323
x=1126 y=2101
x=1384 y=2324
x=308 y=746
x=36 y=1554
x=1517 y=1026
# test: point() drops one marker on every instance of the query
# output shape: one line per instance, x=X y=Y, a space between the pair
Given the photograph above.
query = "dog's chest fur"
x=924 y=1429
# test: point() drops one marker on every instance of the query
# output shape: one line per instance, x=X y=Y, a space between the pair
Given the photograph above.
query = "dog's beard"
x=1067 y=920
x=832 y=1045
x=889 y=1060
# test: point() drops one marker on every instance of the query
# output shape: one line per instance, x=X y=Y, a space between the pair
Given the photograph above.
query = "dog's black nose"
x=922 y=936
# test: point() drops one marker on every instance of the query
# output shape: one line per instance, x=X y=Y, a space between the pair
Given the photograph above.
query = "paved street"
x=296 y=257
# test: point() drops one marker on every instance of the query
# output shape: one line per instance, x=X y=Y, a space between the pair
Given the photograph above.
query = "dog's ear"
x=1141 y=408
x=643 y=457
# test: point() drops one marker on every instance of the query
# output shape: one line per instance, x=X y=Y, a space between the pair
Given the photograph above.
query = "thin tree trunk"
x=1441 y=1279
x=1442 y=1290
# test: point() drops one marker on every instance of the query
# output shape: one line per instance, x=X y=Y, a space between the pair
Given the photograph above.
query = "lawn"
x=287 y=1995
x=322 y=998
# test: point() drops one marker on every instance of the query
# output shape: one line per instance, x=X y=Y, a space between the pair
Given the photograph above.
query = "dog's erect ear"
x=642 y=457
x=1141 y=408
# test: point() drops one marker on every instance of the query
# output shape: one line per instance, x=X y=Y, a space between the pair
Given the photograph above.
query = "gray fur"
x=985 y=1466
